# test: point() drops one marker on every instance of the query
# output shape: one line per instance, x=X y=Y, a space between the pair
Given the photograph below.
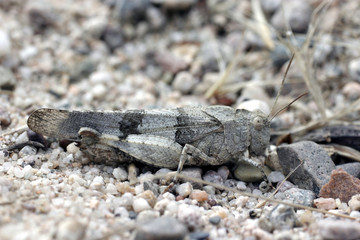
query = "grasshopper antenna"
x=288 y=105
x=281 y=86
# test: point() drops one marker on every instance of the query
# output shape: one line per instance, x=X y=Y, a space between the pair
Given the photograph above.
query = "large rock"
x=316 y=164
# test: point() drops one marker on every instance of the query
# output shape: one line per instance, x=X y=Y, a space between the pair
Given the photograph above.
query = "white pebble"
x=120 y=174
x=28 y=172
x=100 y=77
x=28 y=52
x=111 y=188
x=7 y=166
x=140 y=204
x=72 y=148
x=5 y=43
x=253 y=105
x=76 y=178
x=97 y=183
x=99 y=91
x=22 y=138
x=18 y=172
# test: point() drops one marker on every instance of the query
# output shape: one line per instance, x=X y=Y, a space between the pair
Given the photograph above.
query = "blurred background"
x=118 y=54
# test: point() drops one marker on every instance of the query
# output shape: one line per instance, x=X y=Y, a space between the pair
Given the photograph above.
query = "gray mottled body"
x=206 y=135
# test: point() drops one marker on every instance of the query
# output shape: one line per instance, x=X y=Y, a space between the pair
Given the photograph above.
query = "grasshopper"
x=190 y=136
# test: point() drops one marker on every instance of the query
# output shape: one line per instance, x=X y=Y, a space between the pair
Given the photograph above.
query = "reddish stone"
x=341 y=185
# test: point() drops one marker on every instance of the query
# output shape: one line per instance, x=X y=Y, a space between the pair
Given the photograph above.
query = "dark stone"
x=316 y=164
x=113 y=37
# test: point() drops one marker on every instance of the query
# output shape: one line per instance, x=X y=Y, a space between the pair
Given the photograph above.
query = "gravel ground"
x=154 y=54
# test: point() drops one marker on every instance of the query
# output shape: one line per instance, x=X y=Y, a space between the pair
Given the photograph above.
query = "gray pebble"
x=215 y=220
x=316 y=168
x=195 y=173
x=131 y=11
x=209 y=189
x=184 y=82
x=198 y=236
x=283 y=186
x=161 y=228
x=7 y=79
x=275 y=177
x=27 y=150
x=113 y=37
x=298 y=196
x=296 y=12
x=184 y=189
x=280 y=218
x=155 y=18
x=214 y=177
x=351 y=168
x=82 y=70
x=149 y=185
x=224 y=172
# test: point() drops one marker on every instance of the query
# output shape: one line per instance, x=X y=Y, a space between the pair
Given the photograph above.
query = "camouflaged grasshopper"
x=163 y=138
x=191 y=136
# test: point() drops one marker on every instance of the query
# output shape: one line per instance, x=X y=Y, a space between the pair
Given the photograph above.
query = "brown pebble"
x=341 y=185
x=149 y=196
x=124 y=187
x=199 y=195
x=5 y=119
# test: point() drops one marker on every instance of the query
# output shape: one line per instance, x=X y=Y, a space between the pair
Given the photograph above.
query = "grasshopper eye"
x=258 y=123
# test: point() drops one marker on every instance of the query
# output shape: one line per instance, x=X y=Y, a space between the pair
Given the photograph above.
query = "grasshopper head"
x=259 y=132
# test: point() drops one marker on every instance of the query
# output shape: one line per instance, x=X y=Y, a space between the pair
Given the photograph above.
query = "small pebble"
x=184 y=189
x=209 y=189
x=27 y=150
x=199 y=195
x=214 y=177
x=7 y=79
x=149 y=196
x=97 y=183
x=275 y=177
x=70 y=229
x=224 y=172
x=5 y=119
x=325 y=203
x=215 y=220
x=354 y=202
x=184 y=82
x=120 y=174
x=140 y=204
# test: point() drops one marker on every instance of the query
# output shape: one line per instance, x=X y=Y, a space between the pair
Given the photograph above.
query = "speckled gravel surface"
x=152 y=54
